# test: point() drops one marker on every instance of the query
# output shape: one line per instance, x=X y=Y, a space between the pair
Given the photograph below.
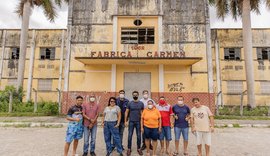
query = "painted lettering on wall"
x=176 y=87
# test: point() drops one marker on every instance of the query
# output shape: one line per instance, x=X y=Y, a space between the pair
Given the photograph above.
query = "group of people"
x=151 y=121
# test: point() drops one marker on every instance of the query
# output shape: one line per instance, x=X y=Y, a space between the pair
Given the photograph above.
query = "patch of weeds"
x=236 y=126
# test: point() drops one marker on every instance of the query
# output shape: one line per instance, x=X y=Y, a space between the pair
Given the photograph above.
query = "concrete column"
x=68 y=47
x=31 y=66
x=61 y=61
x=161 y=77
x=208 y=49
x=2 y=54
x=218 y=75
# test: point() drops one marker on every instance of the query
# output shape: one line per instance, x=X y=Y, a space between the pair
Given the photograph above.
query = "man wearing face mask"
x=166 y=118
x=145 y=100
x=181 y=115
x=90 y=114
x=133 y=115
x=122 y=102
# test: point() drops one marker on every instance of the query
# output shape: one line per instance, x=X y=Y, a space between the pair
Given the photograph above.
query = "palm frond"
x=222 y=8
x=255 y=6
x=267 y=4
x=49 y=10
x=236 y=8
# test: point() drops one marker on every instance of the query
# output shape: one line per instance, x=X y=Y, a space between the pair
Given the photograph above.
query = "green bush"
x=48 y=108
x=235 y=111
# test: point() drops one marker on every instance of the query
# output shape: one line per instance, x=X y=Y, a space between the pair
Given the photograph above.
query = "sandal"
x=175 y=154
x=185 y=154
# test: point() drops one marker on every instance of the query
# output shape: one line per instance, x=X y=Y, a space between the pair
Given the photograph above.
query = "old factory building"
x=158 y=45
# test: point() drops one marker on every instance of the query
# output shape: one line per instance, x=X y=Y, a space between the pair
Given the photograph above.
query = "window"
x=47 y=53
x=263 y=53
x=137 y=36
x=265 y=87
x=234 y=87
x=12 y=82
x=15 y=53
x=45 y=85
x=232 y=53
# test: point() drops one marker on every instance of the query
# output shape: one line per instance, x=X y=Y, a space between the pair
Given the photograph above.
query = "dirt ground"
x=50 y=142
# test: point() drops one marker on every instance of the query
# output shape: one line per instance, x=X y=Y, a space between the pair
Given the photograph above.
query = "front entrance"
x=136 y=81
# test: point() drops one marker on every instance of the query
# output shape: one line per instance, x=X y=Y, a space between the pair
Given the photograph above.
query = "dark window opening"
x=47 y=53
x=232 y=54
x=15 y=54
x=263 y=53
x=137 y=22
x=138 y=36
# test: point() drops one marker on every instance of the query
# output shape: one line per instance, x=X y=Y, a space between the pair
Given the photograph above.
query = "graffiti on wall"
x=176 y=87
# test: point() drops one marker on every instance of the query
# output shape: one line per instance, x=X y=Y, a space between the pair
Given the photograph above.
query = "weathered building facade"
x=158 y=45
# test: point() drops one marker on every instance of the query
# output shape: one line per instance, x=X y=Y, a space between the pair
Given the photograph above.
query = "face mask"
x=135 y=97
x=150 y=106
x=162 y=102
x=122 y=96
x=145 y=96
x=180 y=102
x=92 y=99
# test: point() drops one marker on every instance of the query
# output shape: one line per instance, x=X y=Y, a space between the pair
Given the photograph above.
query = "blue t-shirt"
x=135 y=110
x=181 y=112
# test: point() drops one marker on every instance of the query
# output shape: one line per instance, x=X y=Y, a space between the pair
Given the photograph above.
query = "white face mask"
x=180 y=102
x=150 y=106
x=92 y=99
x=122 y=95
x=145 y=96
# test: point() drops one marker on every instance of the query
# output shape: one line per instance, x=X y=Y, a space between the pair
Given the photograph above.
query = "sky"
x=10 y=20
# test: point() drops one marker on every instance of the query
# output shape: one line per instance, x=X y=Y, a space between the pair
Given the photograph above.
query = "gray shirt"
x=111 y=113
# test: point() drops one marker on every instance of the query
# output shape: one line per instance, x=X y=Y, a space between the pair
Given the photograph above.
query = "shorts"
x=151 y=133
x=74 y=131
x=178 y=131
x=203 y=137
x=165 y=133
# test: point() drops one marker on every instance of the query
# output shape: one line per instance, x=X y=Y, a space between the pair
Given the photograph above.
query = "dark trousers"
x=137 y=126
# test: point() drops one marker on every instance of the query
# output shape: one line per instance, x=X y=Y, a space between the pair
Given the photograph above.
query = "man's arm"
x=126 y=115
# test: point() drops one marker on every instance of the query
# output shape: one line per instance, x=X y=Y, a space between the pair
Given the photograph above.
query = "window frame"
x=43 y=55
x=137 y=34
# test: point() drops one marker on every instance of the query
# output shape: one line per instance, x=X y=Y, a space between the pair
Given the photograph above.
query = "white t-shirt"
x=144 y=101
x=201 y=118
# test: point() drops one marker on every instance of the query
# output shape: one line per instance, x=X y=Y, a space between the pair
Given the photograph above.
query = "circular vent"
x=137 y=22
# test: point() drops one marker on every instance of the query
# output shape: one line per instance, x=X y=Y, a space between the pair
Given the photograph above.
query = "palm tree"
x=24 y=10
x=242 y=9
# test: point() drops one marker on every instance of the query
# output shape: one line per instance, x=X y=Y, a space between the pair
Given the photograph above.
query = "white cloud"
x=10 y=20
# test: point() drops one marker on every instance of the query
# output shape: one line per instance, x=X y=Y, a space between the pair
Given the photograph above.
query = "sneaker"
x=143 y=147
x=108 y=154
x=92 y=153
x=84 y=154
x=139 y=151
x=128 y=152
x=121 y=154
x=113 y=148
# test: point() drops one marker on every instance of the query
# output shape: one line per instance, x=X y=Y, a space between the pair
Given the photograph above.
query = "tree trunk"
x=247 y=44
x=23 y=43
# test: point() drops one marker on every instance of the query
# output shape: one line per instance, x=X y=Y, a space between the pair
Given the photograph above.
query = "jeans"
x=109 y=132
x=178 y=131
x=137 y=126
x=121 y=133
x=87 y=133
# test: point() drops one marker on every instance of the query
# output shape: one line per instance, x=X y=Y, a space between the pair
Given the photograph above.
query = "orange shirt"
x=150 y=117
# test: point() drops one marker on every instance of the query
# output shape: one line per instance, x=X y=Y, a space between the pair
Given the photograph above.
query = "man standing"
x=122 y=102
x=133 y=114
x=181 y=115
x=202 y=124
x=90 y=114
x=75 y=126
x=167 y=121
x=144 y=100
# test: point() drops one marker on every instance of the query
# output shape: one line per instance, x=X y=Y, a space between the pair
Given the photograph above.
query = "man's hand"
x=92 y=120
x=142 y=130
x=102 y=124
x=126 y=124
x=193 y=130
x=172 y=125
x=117 y=125
x=159 y=130
x=77 y=119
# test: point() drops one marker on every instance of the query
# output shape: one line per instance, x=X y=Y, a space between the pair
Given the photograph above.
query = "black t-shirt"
x=135 y=110
x=75 y=109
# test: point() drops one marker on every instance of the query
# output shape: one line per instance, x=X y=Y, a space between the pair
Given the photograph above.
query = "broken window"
x=137 y=35
x=47 y=53
x=15 y=53
x=263 y=53
x=232 y=54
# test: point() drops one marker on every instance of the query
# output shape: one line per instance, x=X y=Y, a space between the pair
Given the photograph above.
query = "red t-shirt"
x=165 y=112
